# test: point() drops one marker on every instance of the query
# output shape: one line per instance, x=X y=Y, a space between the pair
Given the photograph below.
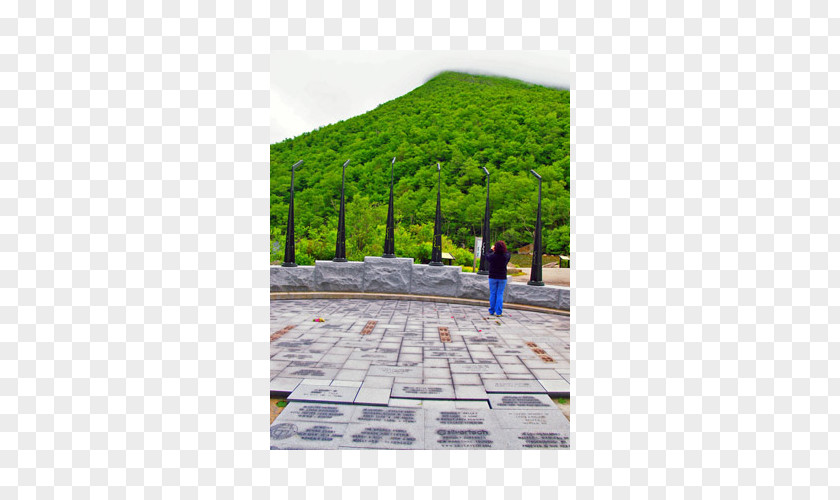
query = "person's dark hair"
x=500 y=247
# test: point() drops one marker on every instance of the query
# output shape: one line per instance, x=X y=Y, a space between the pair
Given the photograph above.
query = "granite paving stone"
x=306 y=435
x=546 y=374
x=466 y=379
x=355 y=364
x=316 y=412
x=347 y=383
x=326 y=394
x=436 y=373
x=284 y=384
x=423 y=391
x=514 y=386
x=513 y=401
x=403 y=402
x=329 y=371
x=376 y=414
x=395 y=371
x=528 y=417
x=351 y=375
x=470 y=392
x=408 y=380
x=378 y=382
x=463 y=428
x=444 y=404
x=373 y=396
x=556 y=388
x=316 y=381
x=475 y=368
x=309 y=372
x=385 y=436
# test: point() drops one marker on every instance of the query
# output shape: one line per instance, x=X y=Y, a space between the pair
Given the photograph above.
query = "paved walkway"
x=387 y=374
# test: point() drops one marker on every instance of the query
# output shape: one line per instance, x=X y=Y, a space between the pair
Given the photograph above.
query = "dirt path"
x=550 y=276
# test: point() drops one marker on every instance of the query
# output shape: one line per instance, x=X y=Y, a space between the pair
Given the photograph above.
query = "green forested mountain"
x=462 y=121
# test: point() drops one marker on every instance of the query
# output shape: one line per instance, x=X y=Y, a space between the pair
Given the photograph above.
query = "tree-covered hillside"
x=462 y=121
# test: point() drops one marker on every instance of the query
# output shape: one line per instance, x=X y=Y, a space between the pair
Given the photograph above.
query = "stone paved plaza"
x=388 y=374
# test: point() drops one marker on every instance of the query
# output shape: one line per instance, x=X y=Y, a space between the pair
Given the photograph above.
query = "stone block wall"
x=402 y=276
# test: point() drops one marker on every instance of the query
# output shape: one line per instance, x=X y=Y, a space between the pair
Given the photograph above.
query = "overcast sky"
x=312 y=89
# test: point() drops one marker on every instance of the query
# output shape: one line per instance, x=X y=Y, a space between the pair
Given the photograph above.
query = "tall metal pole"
x=536 y=260
x=289 y=258
x=389 y=229
x=485 y=229
x=436 y=242
x=339 y=237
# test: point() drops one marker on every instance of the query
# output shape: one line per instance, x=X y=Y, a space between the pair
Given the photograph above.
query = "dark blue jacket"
x=497 y=265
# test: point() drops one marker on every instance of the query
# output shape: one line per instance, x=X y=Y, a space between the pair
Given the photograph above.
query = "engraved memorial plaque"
x=329 y=394
x=475 y=368
x=535 y=440
x=395 y=371
x=514 y=401
x=306 y=435
x=514 y=386
x=317 y=412
x=384 y=436
x=423 y=391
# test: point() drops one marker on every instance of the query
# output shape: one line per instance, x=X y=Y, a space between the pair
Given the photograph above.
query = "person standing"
x=497 y=261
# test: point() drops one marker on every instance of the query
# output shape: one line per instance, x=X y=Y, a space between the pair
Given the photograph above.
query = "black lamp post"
x=389 y=230
x=485 y=229
x=436 y=242
x=536 y=261
x=289 y=258
x=339 y=237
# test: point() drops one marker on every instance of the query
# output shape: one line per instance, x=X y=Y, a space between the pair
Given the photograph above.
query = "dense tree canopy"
x=463 y=121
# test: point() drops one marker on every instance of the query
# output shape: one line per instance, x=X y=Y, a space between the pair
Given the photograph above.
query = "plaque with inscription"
x=374 y=356
x=475 y=368
x=467 y=429
x=385 y=436
x=533 y=418
x=317 y=412
x=514 y=386
x=484 y=340
x=463 y=439
x=328 y=394
x=298 y=364
x=539 y=440
x=423 y=391
x=396 y=371
x=515 y=401
x=445 y=354
x=391 y=415
x=306 y=435
x=442 y=418
x=299 y=356
x=309 y=372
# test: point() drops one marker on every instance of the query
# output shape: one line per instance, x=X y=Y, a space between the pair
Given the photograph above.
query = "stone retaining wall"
x=402 y=276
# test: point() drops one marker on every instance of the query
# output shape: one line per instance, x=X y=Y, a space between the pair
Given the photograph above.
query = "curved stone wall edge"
x=402 y=276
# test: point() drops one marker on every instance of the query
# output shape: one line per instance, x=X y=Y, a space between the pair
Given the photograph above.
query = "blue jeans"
x=497 y=292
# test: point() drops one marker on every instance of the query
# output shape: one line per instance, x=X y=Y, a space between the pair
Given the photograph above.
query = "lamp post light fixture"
x=436 y=242
x=536 y=261
x=289 y=258
x=389 y=229
x=340 y=255
x=485 y=229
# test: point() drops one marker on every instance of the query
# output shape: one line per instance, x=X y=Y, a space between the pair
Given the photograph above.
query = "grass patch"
x=524 y=259
x=562 y=401
x=282 y=403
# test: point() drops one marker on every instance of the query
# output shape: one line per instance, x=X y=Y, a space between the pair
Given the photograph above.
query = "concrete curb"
x=401 y=296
